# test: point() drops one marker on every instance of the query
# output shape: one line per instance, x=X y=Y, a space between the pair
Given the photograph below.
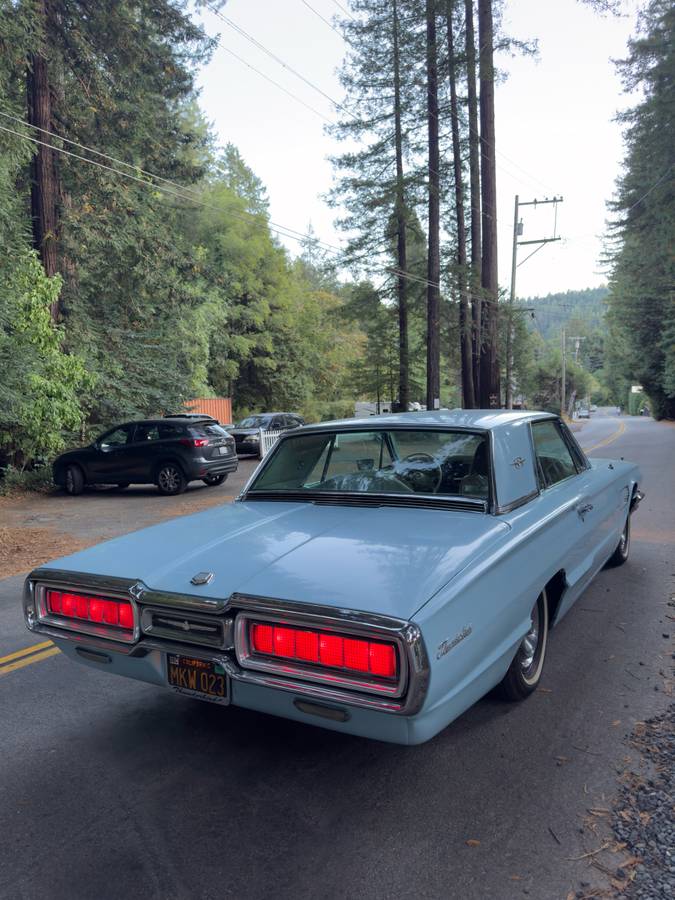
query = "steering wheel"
x=425 y=479
x=555 y=470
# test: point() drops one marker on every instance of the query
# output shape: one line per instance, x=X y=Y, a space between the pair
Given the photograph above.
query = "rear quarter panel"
x=473 y=626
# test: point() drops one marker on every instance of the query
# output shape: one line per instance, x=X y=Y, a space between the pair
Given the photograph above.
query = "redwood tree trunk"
x=474 y=185
x=468 y=397
x=44 y=184
x=489 y=363
x=434 y=256
x=401 y=243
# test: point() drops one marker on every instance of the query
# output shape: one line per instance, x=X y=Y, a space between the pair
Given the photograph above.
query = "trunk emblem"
x=202 y=578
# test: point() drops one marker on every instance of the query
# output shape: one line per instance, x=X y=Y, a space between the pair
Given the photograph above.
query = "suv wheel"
x=213 y=480
x=170 y=479
x=74 y=481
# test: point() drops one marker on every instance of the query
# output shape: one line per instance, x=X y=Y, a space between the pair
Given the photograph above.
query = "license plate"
x=223 y=451
x=198 y=677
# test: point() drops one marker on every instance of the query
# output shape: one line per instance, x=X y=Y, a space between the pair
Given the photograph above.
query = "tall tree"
x=465 y=329
x=44 y=182
x=489 y=362
x=474 y=191
x=401 y=225
x=642 y=303
x=374 y=185
x=434 y=255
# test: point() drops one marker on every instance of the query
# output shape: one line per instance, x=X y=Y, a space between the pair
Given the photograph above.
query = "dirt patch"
x=22 y=549
x=187 y=505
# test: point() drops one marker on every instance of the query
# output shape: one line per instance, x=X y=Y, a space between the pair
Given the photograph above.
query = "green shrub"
x=15 y=481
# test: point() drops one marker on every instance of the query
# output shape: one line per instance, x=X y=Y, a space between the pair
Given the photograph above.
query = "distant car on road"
x=594 y=408
x=168 y=452
x=247 y=432
x=584 y=413
x=377 y=576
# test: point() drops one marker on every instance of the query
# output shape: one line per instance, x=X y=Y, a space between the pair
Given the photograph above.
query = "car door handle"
x=584 y=508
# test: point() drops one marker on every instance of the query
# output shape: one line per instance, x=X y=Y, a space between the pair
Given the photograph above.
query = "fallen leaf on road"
x=591 y=853
x=545 y=690
x=472 y=843
x=616 y=722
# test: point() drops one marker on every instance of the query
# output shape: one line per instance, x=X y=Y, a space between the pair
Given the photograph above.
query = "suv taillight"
x=92 y=610
x=324 y=649
x=194 y=442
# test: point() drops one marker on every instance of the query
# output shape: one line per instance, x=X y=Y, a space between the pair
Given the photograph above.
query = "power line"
x=324 y=19
x=292 y=231
x=177 y=191
x=250 y=218
x=647 y=193
x=345 y=10
x=275 y=83
x=277 y=59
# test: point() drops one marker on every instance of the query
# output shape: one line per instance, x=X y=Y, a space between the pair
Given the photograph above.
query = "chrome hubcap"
x=169 y=479
x=528 y=648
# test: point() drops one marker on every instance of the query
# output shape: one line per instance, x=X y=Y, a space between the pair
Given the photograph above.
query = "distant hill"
x=554 y=311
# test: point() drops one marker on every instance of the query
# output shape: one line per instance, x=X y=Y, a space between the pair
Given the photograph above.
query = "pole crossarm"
x=540 y=241
x=540 y=202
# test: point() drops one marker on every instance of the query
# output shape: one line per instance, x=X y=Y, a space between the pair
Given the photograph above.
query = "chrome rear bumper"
x=157 y=614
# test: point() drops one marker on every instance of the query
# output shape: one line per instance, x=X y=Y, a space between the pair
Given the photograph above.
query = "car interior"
x=451 y=463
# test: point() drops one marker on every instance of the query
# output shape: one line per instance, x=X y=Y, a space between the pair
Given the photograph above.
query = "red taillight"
x=118 y=613
x=194 y=442
x=334 y=651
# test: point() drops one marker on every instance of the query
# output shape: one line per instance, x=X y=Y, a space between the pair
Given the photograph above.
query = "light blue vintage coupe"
x=375 y=576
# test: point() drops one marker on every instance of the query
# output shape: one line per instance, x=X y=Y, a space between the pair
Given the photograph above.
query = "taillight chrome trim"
x=404 y=696
x=35 y=604
x=339 y=678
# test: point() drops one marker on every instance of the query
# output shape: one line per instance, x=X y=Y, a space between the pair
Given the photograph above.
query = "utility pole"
x=517 y=232
x=577 y=338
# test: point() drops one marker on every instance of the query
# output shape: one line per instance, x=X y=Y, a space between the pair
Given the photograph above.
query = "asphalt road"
x=110 y=788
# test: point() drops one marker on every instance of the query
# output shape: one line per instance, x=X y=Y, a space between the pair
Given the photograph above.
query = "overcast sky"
x=555 y=128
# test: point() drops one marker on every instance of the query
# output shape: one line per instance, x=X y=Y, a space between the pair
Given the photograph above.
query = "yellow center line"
x=28 y=660
x=619 y=431
x=25 y=652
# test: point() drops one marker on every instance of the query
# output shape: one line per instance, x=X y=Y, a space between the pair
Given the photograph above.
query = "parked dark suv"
x=247 y=432
x=168 y=452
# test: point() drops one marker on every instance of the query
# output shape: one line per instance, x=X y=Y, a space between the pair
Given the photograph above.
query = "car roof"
x=176 y=420
x=480 y=419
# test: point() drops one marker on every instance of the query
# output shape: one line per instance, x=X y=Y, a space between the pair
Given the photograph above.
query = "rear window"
x=398 y=461
x=166 y=431
x=209 y=429
x=253 y=422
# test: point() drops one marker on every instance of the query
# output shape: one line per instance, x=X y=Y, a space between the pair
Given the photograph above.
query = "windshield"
x=445 y=463
x=253 y=422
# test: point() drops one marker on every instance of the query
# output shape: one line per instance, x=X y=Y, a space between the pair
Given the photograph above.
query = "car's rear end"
x=357 y=672
x=208 y=451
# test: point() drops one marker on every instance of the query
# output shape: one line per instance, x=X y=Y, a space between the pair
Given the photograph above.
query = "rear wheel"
x=170 y=479
x=74 y=480
x=213 y=480
x=620 y=555
x=525 y=671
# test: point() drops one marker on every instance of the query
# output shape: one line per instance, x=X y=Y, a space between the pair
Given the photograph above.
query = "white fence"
x=267 y=440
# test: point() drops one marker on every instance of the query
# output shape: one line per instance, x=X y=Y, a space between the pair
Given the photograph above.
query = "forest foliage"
x=641 y=342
